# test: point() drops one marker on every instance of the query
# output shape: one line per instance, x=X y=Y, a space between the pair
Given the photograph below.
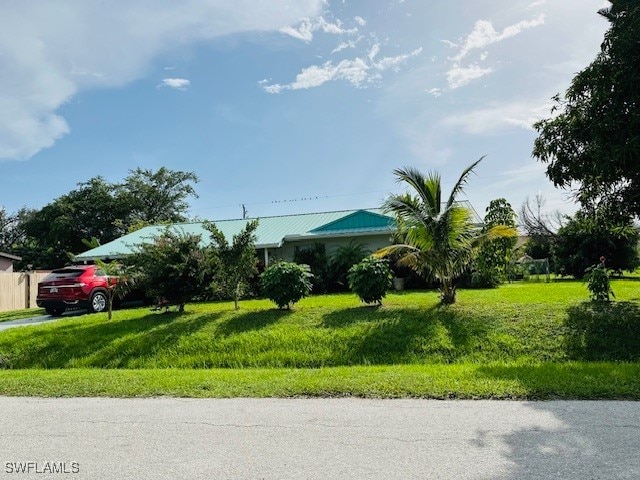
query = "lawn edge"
x=504 y=381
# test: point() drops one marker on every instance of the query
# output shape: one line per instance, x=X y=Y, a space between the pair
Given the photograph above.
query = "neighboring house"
x=6 y=262
x=277 y=238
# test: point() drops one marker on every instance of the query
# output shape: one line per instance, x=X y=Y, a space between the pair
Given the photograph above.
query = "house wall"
x=286 y=252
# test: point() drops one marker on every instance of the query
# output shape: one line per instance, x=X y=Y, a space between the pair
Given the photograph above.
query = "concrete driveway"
x=168 y=438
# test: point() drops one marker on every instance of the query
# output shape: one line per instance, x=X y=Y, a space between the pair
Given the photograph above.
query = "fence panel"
x=18 y=290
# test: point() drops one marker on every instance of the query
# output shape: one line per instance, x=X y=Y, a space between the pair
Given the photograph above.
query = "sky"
x=285 y=106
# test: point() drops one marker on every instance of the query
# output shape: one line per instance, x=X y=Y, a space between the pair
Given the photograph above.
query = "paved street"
x=318 y=439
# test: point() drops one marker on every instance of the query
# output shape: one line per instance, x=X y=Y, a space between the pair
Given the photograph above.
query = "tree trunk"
x=448 y=293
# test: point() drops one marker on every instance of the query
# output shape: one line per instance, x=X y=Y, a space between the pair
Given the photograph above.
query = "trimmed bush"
x=286 y=283
x=370 y=279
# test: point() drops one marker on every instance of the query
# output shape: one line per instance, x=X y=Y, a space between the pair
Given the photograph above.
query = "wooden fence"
x=18 y=290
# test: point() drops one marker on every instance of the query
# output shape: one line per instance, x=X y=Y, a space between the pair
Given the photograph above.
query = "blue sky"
x=286 y=106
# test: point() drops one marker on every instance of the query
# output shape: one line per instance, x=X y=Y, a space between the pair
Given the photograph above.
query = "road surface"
x=167 y=438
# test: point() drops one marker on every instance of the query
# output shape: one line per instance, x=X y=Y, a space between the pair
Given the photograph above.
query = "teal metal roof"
x=361 y=221
x=271 y=231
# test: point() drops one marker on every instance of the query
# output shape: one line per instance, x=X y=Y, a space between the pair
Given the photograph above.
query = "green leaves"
x=370 y=279
x=593 y=142
x=285 y=283
x=434 y=239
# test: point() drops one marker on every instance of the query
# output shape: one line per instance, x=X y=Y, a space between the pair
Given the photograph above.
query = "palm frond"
x=462 y=182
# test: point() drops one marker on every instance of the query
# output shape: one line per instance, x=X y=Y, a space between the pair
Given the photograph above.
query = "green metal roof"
x=271 y=231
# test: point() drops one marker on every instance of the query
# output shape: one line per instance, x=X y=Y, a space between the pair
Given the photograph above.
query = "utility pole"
x=244 y=212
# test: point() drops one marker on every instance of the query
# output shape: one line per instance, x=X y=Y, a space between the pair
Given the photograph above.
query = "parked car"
x=79 y=286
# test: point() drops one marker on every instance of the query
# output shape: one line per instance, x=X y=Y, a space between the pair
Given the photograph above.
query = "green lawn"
x=18 y=314
x=523 y=340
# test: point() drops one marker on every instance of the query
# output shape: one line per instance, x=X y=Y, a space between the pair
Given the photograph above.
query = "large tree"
x=12 y=234
x=99 y=211
x=158 y=197
x=593 y=143
x=56 y=231
x=437 y=239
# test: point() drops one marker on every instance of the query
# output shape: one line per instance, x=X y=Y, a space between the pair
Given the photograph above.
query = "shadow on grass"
x=409 y=335
x=103 y=344
x=607 y=331
x=245 y=322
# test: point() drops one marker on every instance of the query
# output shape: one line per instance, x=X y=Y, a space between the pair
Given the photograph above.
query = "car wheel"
x=55 y=311
x=98 y=302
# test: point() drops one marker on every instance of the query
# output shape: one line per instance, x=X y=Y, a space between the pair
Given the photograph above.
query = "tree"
x=494 y=256
x=238 y=262
x=103 y=211
x=158 y=197
x=175 y=268
x=118 y=283
x=541 y=228
x=437 y=239
x=584 y=239
x=12 y=234
x=56 y=232
x=593 y=144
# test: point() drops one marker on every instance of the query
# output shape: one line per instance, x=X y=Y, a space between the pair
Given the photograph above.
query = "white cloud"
x=358 y=72
x=458 y=76
x=360 y=21
x=305 y=29
x=535 y=4
x=495 y=118
x=344 y=45
x=483 y=34
x=436 y=92
x=175 y=83
x=50 y=51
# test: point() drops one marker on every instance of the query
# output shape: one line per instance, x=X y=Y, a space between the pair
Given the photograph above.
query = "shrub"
x=343 y=259
x=598 y=282
x=370 y=279
x=584 y=238
x=285 y=283
x=315 y=256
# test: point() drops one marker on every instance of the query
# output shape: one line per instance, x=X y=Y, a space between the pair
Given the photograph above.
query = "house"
x=6 y=262
x=277 y=238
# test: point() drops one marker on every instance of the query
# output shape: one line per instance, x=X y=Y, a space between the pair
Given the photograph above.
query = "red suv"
x=81 y=286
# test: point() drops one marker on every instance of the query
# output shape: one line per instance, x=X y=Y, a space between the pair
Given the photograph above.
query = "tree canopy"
x=97 y=211
x=593 y=143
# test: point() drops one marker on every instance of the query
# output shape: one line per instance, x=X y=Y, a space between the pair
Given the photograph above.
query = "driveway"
x=168 y=438
x=39 y=320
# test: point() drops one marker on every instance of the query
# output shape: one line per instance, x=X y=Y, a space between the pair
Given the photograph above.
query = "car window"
x=64 y=273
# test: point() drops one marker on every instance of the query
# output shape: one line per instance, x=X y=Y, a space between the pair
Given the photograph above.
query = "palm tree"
x=436 y=239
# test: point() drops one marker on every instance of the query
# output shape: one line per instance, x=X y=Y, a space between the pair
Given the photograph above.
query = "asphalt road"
x=318 y=439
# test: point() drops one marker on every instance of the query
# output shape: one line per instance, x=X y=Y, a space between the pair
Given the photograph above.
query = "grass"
x=524 y=340
x=18 y=314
